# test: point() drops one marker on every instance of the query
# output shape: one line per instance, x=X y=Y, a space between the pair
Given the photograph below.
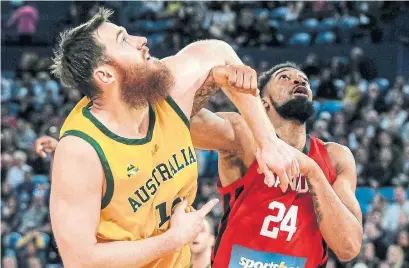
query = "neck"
x=121 y=119
x=291 y=131
x=202 y=259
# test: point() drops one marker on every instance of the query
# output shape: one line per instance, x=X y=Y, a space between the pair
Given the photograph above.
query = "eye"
x=284 y=76
x=124 y=40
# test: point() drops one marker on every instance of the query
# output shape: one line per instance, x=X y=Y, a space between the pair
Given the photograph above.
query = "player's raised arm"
x=75 y=213
x=337 y=210
x=191 y=67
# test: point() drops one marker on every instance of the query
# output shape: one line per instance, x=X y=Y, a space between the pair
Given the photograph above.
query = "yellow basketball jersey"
x=145 y=178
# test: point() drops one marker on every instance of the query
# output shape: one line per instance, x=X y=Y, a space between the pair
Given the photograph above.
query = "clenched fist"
x=237 y=78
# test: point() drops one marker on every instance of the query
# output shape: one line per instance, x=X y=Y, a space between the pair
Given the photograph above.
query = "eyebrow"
x=121 y=31
x=284 y=70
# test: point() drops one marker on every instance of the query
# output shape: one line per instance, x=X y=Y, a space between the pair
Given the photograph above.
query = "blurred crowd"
x=355 y=106
x=174 y=24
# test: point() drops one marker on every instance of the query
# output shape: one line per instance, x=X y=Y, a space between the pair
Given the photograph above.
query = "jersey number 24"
x=286 y=218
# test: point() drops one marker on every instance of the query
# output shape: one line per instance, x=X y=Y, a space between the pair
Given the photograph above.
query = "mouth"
x=195 y=243
x=146 y=53
x=300 y=91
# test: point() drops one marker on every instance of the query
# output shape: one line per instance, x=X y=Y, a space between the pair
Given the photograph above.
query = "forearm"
x=249 y=106
x=203 y=94
x=127 y=253
x=340 y=228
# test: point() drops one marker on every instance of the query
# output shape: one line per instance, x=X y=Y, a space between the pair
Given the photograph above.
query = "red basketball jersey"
x=265 y=228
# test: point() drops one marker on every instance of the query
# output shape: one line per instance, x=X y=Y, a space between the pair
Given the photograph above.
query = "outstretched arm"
x=337 y=209
x=191 y=67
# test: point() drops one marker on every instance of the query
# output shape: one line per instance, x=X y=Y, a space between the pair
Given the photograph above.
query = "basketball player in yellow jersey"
x=125 y=159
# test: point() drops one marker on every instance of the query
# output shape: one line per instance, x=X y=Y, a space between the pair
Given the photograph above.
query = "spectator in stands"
x=46 y=85
x=320 y=130
x=9 y=262
x=406 y=160
x=383 y=168
x=362 y=64
x=35 y=215
x=374 y=235
x=6 y=89
x=393 y=212
x=25 y=189
x=396 y=257
x=7 y=141
x=15 y=175
x=246 y=33
x=352 y=91
x=294 y=11
x=201 y=247
x=311 y=66
x=25 y=135
x=368 y=256
x=361 y=159
x=9 y=212
x=6 y=164
x=34 y=262
x=394 y=119
x=403 y=242
x=26 y=18
x=326 y=89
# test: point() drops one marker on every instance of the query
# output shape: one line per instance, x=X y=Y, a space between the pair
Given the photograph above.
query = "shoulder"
x=336 y=148
x=76 y=147
x=340 y=155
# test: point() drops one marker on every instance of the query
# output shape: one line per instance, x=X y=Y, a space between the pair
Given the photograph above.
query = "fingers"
x=207 y=207
x=253 y=82
x=243 y=79
x=269 y=178
x=232 y=76
x=182 y=207
x=283 y=181
x=39 y=149
x=240 y=77
x=295 y=168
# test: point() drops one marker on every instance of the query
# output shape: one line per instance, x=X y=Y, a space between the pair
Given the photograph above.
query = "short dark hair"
x=78 y=53
x=265 y=77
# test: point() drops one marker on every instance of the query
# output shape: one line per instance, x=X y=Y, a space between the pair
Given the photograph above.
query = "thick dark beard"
x=299 y=109
x=142 y=84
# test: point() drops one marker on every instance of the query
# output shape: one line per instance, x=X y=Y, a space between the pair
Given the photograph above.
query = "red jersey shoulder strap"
x=320 y=154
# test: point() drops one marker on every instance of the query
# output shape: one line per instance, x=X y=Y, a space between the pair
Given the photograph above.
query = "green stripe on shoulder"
x=109 y=178
x=179 y=111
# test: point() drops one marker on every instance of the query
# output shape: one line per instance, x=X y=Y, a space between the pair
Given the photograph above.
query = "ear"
x=105 y=75
x=266 y=103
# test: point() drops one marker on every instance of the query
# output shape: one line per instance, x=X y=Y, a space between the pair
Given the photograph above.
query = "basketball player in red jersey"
x=262 y=226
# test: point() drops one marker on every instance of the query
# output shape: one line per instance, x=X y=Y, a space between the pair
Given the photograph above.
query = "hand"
x=186 y=226
x=237 y=78
x=278 y=158
x=45 y=144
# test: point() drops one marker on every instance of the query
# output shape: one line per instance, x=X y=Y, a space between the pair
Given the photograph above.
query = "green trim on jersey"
x=179 y=111
x=109 y=178
x=110 y=134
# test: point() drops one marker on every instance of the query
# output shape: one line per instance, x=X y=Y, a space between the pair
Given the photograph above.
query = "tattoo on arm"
x=202 y=95
x=317 y=209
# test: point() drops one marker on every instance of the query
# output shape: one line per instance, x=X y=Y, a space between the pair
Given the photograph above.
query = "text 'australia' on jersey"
x=145 y=178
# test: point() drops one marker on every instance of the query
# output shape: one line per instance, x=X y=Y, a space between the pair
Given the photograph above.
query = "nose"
x=298 y=82
x=140 y=42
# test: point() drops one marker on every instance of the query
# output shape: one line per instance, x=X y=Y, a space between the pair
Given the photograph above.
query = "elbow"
x=349 y=250
x=81 y=259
